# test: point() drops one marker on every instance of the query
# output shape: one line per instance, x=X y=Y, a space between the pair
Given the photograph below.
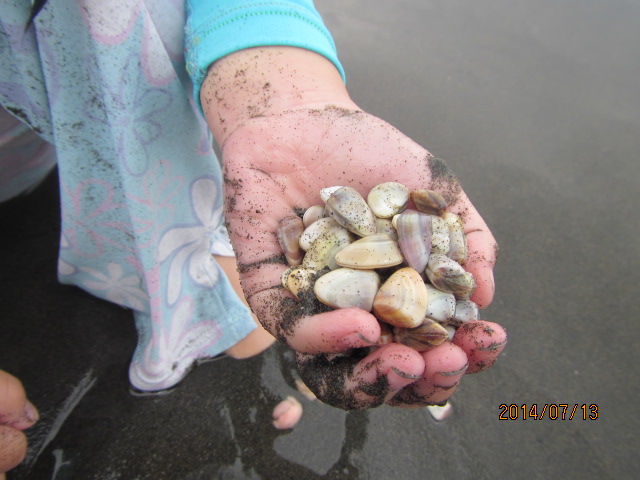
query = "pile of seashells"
x=403 y=265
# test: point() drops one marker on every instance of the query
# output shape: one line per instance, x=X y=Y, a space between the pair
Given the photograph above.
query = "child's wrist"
x=267 y=81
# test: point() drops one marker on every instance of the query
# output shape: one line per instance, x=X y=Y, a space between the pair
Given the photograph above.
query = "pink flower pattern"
x=112 y=22
x=140 y=185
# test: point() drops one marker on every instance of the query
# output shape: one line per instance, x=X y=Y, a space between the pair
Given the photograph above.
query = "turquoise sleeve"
x=220 y=27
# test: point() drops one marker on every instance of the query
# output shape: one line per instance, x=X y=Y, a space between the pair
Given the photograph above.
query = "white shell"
x=315 y=230
x=458 y=239
x=312 y=214
x=451 y=330
x=385 y=225
x=347 y=207
x=465 y=311
x=440 y=240
x=345 y=287
x=325 y=193
x=439 y=413
x=285 y=276
x=441 y=306
x=298 y=279
x=388 y=199
x=323 y=250
x=373 y=251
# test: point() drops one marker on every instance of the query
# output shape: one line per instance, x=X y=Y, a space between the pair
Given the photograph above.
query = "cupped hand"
x=274 y=167
x=16 y=414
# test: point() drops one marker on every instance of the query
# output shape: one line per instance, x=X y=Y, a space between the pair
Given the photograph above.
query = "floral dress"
x=105 y=82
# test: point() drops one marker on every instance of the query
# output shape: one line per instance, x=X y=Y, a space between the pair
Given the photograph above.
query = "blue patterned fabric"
x=105 y=82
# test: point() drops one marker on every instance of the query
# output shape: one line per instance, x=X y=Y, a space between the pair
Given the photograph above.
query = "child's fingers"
x=350 y=382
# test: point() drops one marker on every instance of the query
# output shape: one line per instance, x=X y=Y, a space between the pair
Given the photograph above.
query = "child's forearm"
x=268 y=80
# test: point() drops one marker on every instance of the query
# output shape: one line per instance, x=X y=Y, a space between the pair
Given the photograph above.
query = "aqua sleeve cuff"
x=220 y=27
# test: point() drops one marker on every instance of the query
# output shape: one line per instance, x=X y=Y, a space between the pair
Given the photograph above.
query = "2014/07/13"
x=553 y=411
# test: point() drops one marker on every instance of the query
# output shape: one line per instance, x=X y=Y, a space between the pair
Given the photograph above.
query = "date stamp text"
x=551 y=411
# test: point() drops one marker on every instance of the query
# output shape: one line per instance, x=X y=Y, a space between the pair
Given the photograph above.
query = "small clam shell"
x=424 y=337
x=323 y=250
x=373 y=251
x=414 y=238
x=285 y=276
x=347 y=207
x=312 y=214
x=299 y=279
x=345 y=287
x=385 y=225
x=402 y=299
x=315 y=230
x=441 y=306
x=451 y=330
x=448 y=275
x=288 y=233
x=428 y=201
x=458 y=239
x=440 y=240
x=386 y=333
x=394 y=220
x=440 y=412
x=466 y=311
x=388 y=199
x=325 y=193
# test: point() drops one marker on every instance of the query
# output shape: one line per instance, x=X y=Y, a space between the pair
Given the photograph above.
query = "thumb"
x=16 y=410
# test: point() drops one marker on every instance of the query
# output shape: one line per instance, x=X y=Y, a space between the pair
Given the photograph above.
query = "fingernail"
x=399 y=379
x=356 y=340
x=406 y=375
x=446 y=387
x=454 y=372
x=31 y=412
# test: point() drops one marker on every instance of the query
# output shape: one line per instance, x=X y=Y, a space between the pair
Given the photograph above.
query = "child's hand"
x=287 y=128
x=274 y=167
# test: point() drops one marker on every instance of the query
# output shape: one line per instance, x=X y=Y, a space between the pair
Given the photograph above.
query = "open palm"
x=274 y=167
